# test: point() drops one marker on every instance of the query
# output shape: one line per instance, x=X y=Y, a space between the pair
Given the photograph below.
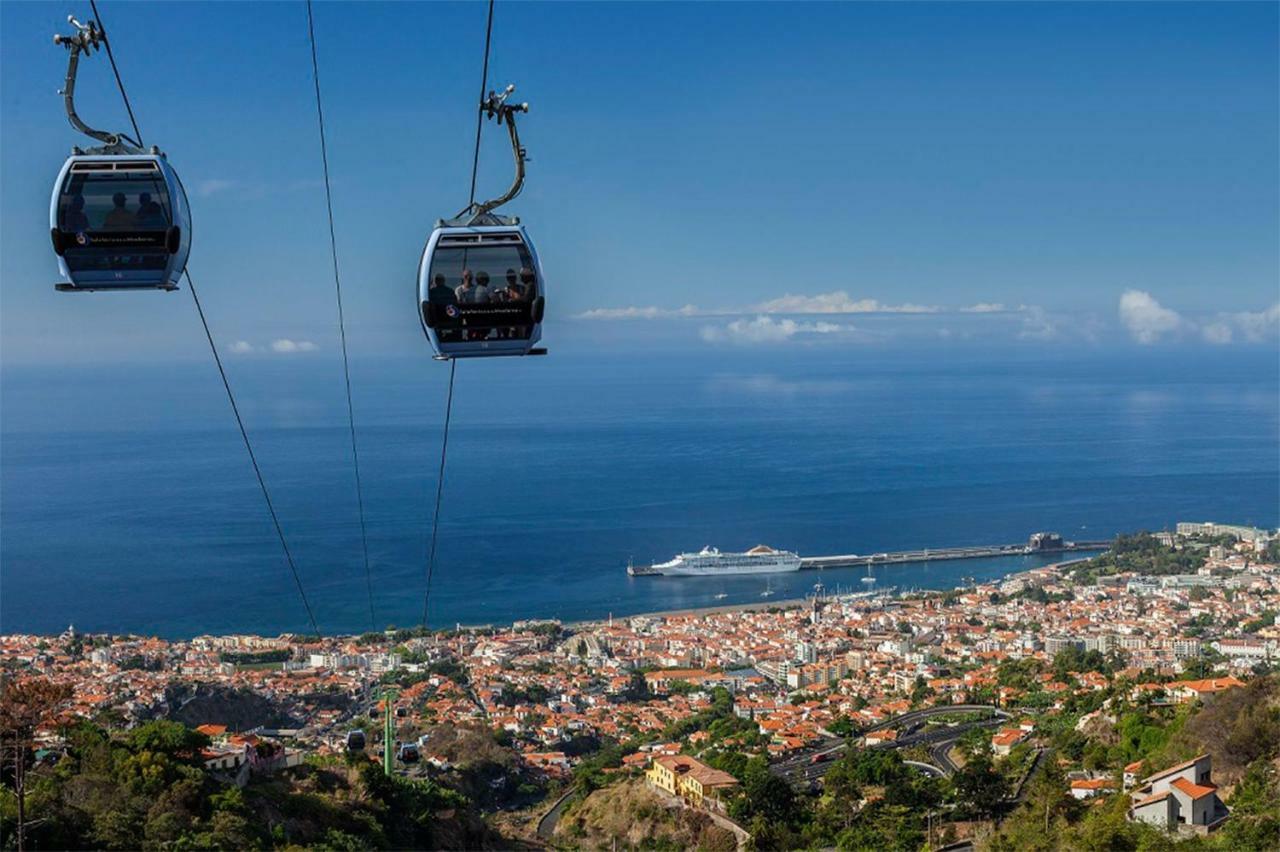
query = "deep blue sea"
x=128 y=503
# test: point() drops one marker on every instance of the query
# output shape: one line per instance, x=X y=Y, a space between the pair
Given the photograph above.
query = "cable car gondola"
x=355 y=740
x=119 y=217
x=481 y=291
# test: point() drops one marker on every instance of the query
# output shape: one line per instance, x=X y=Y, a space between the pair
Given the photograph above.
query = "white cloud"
x=285 y=346
x=767 y=384
x=1037 y=324
x=764 y=329
x=984 y=308
x=838 y=302
x=1218 y=333
x=1257 y=326
x=640 y=313
x=240 y=347
x=212 y=186
x=1146 y=319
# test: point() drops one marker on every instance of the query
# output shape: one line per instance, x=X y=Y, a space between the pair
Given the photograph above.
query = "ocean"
x=128 y=504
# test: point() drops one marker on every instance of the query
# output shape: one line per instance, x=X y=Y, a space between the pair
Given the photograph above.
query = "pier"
x=944 y=553
x=1039 y=544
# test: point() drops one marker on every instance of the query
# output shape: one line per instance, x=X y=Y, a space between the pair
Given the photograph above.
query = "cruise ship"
x=710 y=562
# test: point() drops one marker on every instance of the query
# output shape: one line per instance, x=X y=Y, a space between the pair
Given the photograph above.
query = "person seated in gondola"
x=440 y=292
x=483 y=296
x=474 y=289
x=75 y=218
x=529 y=281
x=513 y=292
x=119 y=218
x=150 y=214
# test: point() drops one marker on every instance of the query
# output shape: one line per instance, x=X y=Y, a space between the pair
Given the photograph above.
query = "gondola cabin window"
x=483 y=291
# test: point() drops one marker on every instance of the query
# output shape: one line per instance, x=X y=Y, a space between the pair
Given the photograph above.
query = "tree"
x=1255 y=809
x=979 y=787
x=765 y=795
x=24 y=705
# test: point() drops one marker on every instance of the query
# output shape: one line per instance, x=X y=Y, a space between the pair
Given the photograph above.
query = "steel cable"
x=213 y=348
x=342 y=326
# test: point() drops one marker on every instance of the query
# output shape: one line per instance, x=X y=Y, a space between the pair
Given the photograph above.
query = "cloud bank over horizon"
x=279 y=346
x=1149 y=322
x=1140 y=317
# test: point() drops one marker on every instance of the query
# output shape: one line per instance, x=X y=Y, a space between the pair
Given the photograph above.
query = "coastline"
x=792 y=603
x=665 y=612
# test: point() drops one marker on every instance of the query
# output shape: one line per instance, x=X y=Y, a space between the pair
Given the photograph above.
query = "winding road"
x=802 y=768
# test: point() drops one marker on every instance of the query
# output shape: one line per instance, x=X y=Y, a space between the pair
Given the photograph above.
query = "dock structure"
x=943 y=553
x=1038 y=544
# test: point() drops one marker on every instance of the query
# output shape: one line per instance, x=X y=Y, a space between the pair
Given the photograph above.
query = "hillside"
x=637 y=817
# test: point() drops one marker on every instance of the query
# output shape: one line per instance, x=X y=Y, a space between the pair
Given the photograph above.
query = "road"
x=547 y=825
x=926 y=768
x=802 y=768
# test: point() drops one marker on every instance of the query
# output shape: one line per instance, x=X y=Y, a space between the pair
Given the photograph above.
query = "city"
x=1001 y=675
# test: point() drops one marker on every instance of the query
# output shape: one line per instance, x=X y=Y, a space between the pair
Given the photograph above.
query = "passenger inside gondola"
x=529 y=281
x=483 y=292
x=440 y=292
x=150 y=214
x=120 y=218
x=75 y=219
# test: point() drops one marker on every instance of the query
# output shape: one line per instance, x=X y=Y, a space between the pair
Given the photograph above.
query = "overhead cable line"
x=217 y=359
x=111 y=57
x=484 y=85
x=435 y=519
x=253 y=459
x=453 y=363
x=342 y=326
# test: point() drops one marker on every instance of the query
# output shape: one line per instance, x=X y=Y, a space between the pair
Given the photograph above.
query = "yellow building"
x=691 y=780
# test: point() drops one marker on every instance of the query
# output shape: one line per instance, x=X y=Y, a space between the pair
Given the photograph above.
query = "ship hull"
x=770 y=567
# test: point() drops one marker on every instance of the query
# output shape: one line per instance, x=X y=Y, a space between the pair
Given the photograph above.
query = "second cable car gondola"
x=119 y=217
x=481 y=291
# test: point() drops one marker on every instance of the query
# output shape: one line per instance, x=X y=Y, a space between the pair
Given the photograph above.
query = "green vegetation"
x=248 y=658
x=1239 y=729
x=1039 y=595
x=1141 y=553
x=148 y=789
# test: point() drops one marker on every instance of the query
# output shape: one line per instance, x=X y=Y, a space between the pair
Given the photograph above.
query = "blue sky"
x=703 y=175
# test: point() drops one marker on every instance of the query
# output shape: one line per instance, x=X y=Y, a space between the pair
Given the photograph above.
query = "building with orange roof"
x=1087 y=788
x=888 y=735
x=1003 y=741
x=689 y=778
x=1182 y=795
x=1131 y=773
x=1189 y=690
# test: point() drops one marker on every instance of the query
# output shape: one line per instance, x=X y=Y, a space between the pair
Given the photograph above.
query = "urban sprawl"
x=917 y=673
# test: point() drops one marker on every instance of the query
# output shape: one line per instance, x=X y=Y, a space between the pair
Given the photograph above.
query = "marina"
x=1039 y=543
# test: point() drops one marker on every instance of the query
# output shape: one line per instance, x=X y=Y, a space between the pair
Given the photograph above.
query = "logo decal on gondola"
x=451 y=311
x=82 y=239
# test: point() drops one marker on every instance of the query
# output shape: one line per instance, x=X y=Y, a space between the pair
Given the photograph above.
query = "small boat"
x=722 y=596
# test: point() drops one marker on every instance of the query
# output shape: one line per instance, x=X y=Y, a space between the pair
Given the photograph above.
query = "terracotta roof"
x=1195 y=791
x=1172 y=769
x=1213 y=684
x=1152 y=799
